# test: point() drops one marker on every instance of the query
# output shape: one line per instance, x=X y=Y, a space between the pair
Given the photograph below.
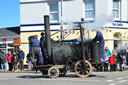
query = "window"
x=7 y=47
x=53 y=8
x=10 y=44
x=116 y=36
x=2 y=45
x=116 y=8
x=89 y=8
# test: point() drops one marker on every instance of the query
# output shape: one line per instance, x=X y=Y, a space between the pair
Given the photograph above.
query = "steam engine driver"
x=43 y=47
x=35 y=43
x=99 y=37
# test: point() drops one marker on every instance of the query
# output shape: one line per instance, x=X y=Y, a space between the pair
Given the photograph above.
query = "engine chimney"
x=47 y=34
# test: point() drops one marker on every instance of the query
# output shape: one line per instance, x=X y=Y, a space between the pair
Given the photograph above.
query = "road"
x=96 y=78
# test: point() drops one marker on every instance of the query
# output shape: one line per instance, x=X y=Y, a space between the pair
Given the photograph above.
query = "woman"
x=9 y=59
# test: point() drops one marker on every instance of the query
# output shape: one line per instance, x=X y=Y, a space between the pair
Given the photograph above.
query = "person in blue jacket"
x=107 y=51
x=99 y=37
x=43 y=47
x=35 y=43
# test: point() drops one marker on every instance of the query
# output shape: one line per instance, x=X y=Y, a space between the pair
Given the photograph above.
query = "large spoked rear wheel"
x=83 y=70
x=53 y=72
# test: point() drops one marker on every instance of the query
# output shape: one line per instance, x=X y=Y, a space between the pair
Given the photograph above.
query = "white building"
x=32 y=16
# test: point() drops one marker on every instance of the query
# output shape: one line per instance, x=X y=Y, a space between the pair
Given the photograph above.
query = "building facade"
x=32 y=19
x=7 y=37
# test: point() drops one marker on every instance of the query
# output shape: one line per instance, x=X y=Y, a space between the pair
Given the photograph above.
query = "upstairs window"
x=53 y=10
x=89 y=9
x=116 y=8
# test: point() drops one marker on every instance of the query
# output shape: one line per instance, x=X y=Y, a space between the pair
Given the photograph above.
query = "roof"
x=10 y=32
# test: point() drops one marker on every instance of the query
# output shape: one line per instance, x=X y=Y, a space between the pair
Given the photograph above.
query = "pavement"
x=18 y=71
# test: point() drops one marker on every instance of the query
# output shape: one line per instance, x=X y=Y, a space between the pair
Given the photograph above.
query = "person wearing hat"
x=43 y=47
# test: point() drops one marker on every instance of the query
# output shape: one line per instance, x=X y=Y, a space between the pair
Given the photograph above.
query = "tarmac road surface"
x=96 y=78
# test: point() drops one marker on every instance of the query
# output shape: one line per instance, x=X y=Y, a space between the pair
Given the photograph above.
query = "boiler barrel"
x=62 y=53
x=95 y=52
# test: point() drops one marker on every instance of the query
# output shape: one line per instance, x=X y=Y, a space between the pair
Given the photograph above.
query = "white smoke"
x=68 y=25
x=99 y=23
x=84 y=39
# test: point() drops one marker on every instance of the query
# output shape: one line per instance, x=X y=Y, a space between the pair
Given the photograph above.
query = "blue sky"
x=9 y=13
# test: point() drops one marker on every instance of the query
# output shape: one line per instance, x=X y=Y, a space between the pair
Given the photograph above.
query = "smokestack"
x=47 y=34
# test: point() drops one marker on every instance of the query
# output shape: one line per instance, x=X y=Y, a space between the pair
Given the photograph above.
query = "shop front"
x=7 y=37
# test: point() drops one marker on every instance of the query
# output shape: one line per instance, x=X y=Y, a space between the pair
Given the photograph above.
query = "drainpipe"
x=120 y=10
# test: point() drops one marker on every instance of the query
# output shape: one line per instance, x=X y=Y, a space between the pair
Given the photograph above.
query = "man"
x=3 y=57
x=43 y=47
x=99 y=37
x=35 y=43
x=121 y=58
x=21 y=59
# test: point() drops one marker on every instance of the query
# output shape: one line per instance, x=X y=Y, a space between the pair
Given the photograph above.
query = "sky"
x=9 y=13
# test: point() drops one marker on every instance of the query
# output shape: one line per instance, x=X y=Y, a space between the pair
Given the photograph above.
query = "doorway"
x=117 y=40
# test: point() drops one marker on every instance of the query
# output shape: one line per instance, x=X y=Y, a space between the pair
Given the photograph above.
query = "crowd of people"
x=15 y=61
x=115 y=59
x=10 y=61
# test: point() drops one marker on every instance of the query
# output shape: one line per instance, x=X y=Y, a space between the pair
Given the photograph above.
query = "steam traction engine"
x=77 y=57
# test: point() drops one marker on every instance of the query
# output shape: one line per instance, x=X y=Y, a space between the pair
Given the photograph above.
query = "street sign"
x=16 y=41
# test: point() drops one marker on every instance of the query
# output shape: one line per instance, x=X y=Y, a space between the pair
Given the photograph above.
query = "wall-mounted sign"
x=16 y=42
x=117 y=24
x=4 y=40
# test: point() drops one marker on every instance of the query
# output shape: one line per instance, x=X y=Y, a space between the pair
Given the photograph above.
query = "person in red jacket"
x=112 y=62
x=9 y=60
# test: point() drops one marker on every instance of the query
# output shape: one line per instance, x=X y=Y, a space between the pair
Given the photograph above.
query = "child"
x=14 y=61
x=106 y=58
x=112 y=62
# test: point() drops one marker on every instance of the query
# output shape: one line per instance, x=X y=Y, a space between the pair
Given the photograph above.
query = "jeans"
x=4 y=65
x=120 y=65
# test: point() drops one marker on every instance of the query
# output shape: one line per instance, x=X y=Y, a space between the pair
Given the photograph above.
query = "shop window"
x=10 y=45
x=2 y=45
